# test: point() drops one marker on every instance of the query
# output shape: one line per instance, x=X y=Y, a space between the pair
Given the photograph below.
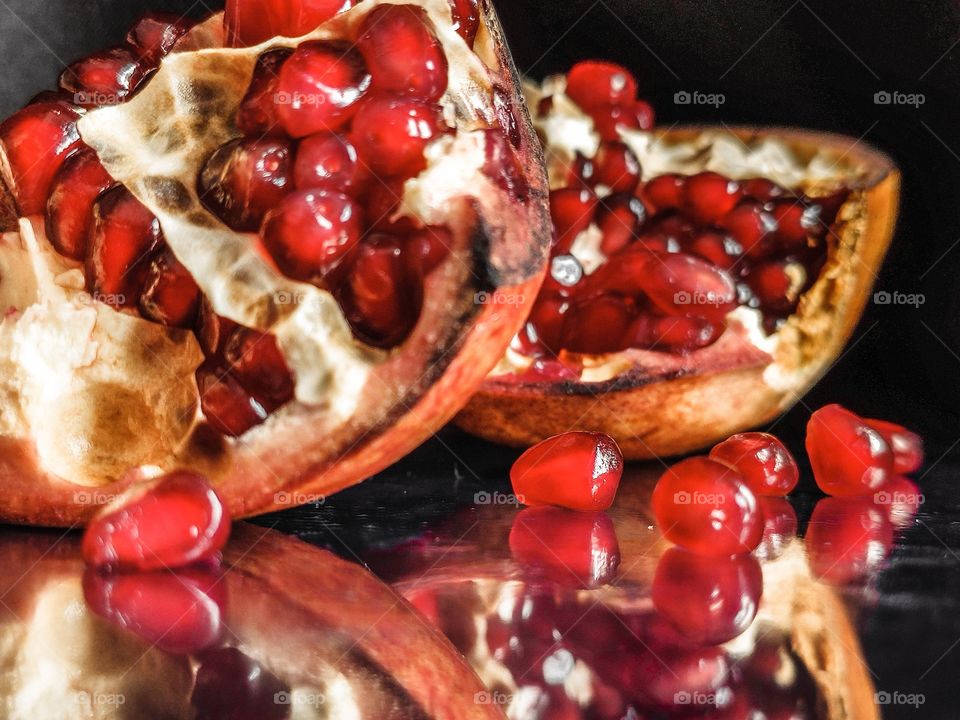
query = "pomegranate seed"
x=847 y=455
x=328 y=162
x=847 y=538
x=213 y=330
x=466 y=19
x=169 y=523
x=251 y=22
x=619 y=220
x=233 y=686
x=616 y=167
x=429 y=246
x=665 y=192
x=576 y=470
x=34 y=143
x=180 y=613
x=776 y=284
x=609 y=121
x=762 y=189
x=595 y=84
x=320 y=87
x=503 y=166
x=677 y=673
x=779 y=526
x=154 y=35
x=123 y=241
x=73 y=192
x=245 y=179
x=546 y=322
x=228 y=408
x=403 y=53
x=255 y=361
x=572 y=210
x=104 y=78
x=597 y=325
x=626 y=276
x=708 y=196
x=381 y=202
x=765 y=463
x=751 y=226
x=907 y=446
x=721 y=250
x=310 y=233
x=257 y=114
x=902 y=498
x=391 y=133
x=569 y=547
x=170 y=295
x=706 y=507
x=685 y=285
x=672 y=334
x=708 y=600
x=672 y=226
x=795 y=221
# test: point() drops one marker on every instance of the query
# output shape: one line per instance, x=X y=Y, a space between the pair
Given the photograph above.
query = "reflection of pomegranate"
x=281 y=266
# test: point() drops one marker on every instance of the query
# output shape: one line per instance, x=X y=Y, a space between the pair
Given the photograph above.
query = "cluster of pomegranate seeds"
x=608 y=93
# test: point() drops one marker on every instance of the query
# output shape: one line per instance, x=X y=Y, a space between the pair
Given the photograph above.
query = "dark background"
x=813 y=63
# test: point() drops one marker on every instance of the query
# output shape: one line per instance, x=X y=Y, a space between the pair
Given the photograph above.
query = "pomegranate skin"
x=764 y=461
x=847 y=455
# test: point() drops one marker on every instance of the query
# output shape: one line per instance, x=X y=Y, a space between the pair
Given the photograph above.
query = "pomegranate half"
x=149 y=326
x=735 y=363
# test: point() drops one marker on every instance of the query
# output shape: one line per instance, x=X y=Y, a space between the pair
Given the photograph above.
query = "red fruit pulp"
x=709 y=196
x=328 y=162
x=154 y=35
x=170 y=294
x=706 y=507
x=765 y=463
x=665 y=192
x=170 y=523
x=502 y=165
x=847 y=455
x=571 y=210
x=466 y=19
x=391 y=132
x=232 y=686
x=576 y=470
x=255 y=360
x=619 y=219
x=251 y=22
x=257 y=115
x=228 y=408
x=107 y=77
x=848 y=538
x=593 y=84
x=685 y=285
x=597 y=325
x=907 y=446
x=74 y=190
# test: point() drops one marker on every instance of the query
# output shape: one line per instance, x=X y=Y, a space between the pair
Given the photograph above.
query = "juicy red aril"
x=226 y=405
x=213 y=330
x=391 y=132
x=257 y=114
x=795 y=221
x=34 y=143
x=123 y=240
x=619 y=220
x=233 y=686
x=381 y=202
x=170 y=294
x=765 y=463
x=722 y=250
x=751 y=226
x=73 y=192
x=104 y=78
x=154 y=35
x=545 y=323
x=245 y=179
x=762 y=189
x=597 y=325
x=672 y=334
x=403 y=53
x=571 y=210
x=708 y=196
x=616 y=167
x=610 y=120
x=310 y=233
x=251 y=22
x=169 y=523
x=569 y=547
x=706 y=507
x=256 y=362
x=665 y=192
x=708 y=600
x=685 y=285
x=847 y=538
x=576 y=470
x=320 y=87
x=775 y=284
x=429 y=246
x=328 y=162
x=502 y=165
x=907 y=446
x=466 y=19
x=847 y=455
x=595 y=84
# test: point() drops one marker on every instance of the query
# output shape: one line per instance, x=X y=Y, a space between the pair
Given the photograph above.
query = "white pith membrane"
x=100 y=391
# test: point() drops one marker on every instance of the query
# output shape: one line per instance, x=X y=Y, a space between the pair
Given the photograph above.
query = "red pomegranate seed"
x=902 y=498
x=595 y=84
x=708 y=196
x=706 y=507
x=672 y=334
x=228 y=408
x=674 y=673
x=503 y=166
x=597 y=325
x=381 y=202
x=765 y=463
x=251 y=22
x=123 y=241
x=568 y=547
x=907 y=446
x=847 y=538
x=391 y=133
x=616 y=167
x=576 y=470
x=572 y=210
x=310 y=233
x=751 y=226
x=721 y=250
x=708 y=600
x=180 y=613
x=682 y=284
x=403 y=53
x=796 y=221
x=255 y=361
x=546 y=322
x=665 y=192
x=847 y=455
x=429 y=247
x=619 y=219
x=609 y=121
x=257 y=115
x=34 y=143
x=171 y=522
x=466 y=19
x=762 y=189
x=154 y=35
x=245 y=179
x=320 y=87
x=73 y=192
x=776 y=285
x=328 y=162
x=626 y=276
x=170 y=294
x=779 y=526
x=232 y=686
x=104 y=78
x=213 y=330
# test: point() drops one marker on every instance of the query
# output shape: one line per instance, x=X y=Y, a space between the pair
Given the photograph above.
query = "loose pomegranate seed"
x=328 y=162
x=709 y=196
x=776 y=284
x=169 y=523
x=310 y=233
x=708 y=600
x=466 y=19
x=762 y=189
x=233 y=686
x=847 y=455
x=503 y=166
x=154 y=35
x=123 y=242
x=403 y=53
x=320 y=87
x=73 y=192
x=681 y=284
x=619 y=219
x=796 y=221
x=251 y=22
x=706 y=507
x=104 y=78
x=595 y=84
x=245 y=179
x=429 y=247
x=391 y=132
x=34 y=143
x=665 y=192
x=779 y=526
x=722 y=250
x=672 y=334
x=228 y=408
x=255 y=361
x=569 y=547
x=751 y=226
x=576 y=470
x=847 y=538
x=907 y=446
x=597 y=325
x=609 y=121
x=765 y=463
x=257 y=115
x=902 y=497
x=571 y=210
x=170 y=294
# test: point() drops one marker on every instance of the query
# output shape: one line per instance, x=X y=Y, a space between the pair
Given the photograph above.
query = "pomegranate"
x=765 y=463
x=721 y=272
x=848 y=456
x=272 y=262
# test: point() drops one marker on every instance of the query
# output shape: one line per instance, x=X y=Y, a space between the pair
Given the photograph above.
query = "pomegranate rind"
x=658 y=404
